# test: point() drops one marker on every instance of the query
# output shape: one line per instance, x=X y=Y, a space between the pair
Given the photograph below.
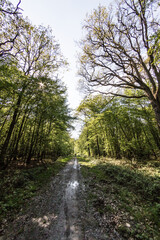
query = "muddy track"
x=55 y=214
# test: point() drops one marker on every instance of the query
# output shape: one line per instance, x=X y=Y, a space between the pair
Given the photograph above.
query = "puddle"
x=54 y=214
x=75 y=166
x=72 y=227
x=73 y=184
x=71 y=189
x=66 y=170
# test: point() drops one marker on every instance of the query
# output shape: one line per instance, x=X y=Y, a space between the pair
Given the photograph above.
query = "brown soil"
x=55 y=213
x=61 y=212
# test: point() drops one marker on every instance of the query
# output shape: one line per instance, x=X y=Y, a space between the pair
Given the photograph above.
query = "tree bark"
x=33 y=141
x=18 y=137
x=11 y=127
x=156 y=107
x=98 y=148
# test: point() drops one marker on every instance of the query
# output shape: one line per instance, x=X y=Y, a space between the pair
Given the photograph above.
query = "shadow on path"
x=53 y=215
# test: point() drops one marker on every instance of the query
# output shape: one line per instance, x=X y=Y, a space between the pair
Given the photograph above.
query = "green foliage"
x=18 y=186
x=130 y=195
x=147 y=187
x=34 y=115
x=155 y=212
x=119 y=54
x=118 y=128
x=155 y=47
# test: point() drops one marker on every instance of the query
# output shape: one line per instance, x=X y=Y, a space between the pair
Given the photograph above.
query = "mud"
x=57 y=213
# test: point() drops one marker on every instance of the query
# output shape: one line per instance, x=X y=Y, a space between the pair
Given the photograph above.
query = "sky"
x=66 y=18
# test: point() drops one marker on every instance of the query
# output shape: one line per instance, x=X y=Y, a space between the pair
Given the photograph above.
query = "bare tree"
x=118 y=51
x=10 y=29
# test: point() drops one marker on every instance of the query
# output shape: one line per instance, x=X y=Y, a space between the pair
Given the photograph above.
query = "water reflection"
x=75 y=166
x=73 y=184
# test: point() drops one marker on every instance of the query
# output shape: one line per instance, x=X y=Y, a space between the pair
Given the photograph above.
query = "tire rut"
x=54 y=215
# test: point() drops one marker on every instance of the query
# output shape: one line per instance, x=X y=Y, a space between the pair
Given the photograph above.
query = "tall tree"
x=36 y=56
x=10 y=27
x=120 y=51
x=118 y=128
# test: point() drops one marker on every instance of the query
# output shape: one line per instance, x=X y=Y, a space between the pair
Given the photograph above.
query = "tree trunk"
x=33 y=141
x=116 y=145
x=152 y=129
x=18 y=138
x=88 y=148
x=98 y=148
x=4 y=122
x=11 y=127
x=149 y=142
x=30 y=149
x=156 y=107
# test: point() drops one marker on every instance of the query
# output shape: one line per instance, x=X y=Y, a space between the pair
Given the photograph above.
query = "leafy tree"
x=118 y=128
x=33 y=100
x=118 y=52
x=155 y=46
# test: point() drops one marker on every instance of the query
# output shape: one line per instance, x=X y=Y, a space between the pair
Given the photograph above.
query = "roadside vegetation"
x=18 y=186
x=119 y=67
x=124 y=198
x=118 y=128
x=34 y=115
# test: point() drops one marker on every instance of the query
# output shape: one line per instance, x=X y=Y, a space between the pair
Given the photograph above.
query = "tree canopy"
x=121 y=51
x=118 y=128
x=34 y=115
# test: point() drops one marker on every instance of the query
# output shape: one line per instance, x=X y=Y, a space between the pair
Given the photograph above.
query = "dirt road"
x=55 y=214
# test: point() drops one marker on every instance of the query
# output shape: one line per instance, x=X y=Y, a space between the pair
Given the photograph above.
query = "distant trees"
x=34 y=115
x=118 y=128
x=121 y=51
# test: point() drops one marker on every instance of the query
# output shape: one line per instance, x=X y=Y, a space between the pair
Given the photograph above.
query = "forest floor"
x=53 y=214
x=122 y=199
x=93 y=199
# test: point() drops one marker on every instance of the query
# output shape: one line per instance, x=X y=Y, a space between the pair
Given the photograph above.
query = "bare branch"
x=15 y=12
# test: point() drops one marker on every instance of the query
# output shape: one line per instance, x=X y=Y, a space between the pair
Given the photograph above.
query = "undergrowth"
x=19 y=185
x=131 y=195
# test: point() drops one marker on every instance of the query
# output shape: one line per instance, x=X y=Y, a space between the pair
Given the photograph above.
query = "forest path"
x=55 y=214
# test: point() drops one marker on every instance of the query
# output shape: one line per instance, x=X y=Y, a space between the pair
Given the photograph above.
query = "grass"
x=130 y=194
x=19 y=186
